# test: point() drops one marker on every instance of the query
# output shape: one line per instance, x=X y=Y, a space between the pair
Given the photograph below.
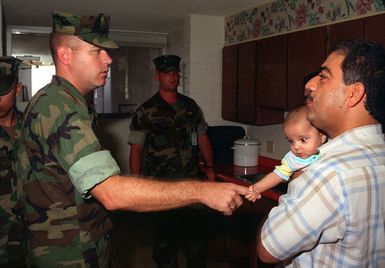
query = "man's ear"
x=356 y=93
x=64 y=54
x=18 y=89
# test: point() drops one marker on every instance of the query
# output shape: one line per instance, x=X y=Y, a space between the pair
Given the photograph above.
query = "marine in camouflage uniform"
x=11 y=247
x=60 y=160
x=169 y=135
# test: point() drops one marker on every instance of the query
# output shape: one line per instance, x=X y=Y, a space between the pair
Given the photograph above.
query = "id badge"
x=194 y=139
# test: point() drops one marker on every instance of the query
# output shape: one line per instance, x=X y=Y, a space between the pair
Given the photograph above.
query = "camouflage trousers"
x=100 y=255
x=182 y=229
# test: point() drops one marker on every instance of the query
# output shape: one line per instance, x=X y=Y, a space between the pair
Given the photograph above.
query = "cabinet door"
x=306 y=52
x=345 y=30
x=246 y=82
x=271 y=80
x=375 y=29
x=229 y=82
x=271 y=72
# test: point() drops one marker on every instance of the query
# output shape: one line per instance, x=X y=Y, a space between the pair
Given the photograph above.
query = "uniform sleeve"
x=70 y=140
x=311 y=213
x=96 y=167
x=202 y=124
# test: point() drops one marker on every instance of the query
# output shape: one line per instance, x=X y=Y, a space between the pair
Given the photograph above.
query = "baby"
x=304 y=141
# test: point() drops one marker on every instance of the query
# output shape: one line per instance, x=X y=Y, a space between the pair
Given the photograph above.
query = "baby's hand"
x=254 y=194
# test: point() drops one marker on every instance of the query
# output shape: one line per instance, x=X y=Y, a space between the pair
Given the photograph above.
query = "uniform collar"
x=71 y=89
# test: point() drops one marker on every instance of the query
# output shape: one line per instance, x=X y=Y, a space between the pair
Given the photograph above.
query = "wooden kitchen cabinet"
x=229 y=82
x=374 y=29
x=306 y=52
x=247 y=112
x=242 y=99
x=271 y=72
x=271 y=80
x=369 y=28
x=353 y=29
x=263 y=78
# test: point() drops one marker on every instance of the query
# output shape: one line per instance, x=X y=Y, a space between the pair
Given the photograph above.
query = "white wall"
x=205 y=74
x=270 y=133
x=199 y=41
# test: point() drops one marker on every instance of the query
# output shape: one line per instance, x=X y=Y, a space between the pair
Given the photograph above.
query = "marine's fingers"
x=242 y=190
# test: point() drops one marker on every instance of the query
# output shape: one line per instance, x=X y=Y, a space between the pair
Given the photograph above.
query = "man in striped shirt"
x=333 y=214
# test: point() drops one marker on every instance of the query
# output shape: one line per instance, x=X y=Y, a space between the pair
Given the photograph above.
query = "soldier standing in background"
x=69 y=181
x=11 y=250
x=167 y=133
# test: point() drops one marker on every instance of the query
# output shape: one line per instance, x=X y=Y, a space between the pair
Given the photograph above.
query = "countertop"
x=234 y=174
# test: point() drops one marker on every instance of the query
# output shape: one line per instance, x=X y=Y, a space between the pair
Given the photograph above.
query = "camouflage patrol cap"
x=167 y=63
x=8 y=73
x=91 y=29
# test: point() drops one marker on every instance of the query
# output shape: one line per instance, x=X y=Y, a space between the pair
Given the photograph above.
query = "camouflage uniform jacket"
x=10 y=233
x=64 y=228
x=169 y=134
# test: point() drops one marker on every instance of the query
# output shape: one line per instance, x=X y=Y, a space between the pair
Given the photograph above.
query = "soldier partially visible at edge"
x=69 y=181
x=166 y=134
x=11 y=249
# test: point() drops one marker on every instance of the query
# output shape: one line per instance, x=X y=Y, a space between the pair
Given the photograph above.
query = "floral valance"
x=289 y=15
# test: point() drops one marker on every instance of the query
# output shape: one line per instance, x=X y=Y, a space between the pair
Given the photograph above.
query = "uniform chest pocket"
x=161 y=135
x=161 y=125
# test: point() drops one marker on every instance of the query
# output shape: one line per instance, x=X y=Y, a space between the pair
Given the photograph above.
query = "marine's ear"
x=18 y=89
x=64 y=54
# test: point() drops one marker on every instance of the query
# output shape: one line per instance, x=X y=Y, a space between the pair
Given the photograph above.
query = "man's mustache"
x=308 y=96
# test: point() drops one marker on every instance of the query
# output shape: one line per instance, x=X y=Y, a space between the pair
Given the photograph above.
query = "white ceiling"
x=131 y=15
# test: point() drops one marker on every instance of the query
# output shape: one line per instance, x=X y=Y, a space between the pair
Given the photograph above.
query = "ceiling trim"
x=121 y=37
x=136 y=38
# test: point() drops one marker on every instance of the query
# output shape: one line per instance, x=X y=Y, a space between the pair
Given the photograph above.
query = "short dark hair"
x=55 y=40
x=365 y=62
